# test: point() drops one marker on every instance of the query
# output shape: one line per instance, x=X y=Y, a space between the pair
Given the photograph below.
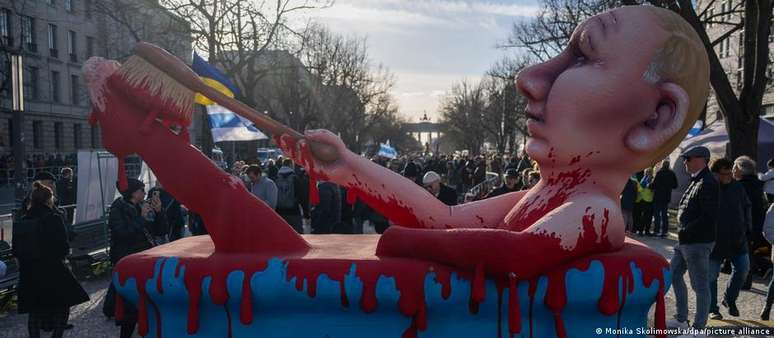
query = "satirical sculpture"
x=551 y=261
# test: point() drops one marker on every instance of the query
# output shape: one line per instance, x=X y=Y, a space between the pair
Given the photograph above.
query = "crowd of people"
x=723 y=220
x=35 y=163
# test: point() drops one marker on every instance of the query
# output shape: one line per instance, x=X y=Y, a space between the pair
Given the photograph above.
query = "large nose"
x=534 y=82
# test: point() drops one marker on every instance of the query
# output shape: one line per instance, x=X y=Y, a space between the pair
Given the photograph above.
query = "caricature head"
x=630 y=84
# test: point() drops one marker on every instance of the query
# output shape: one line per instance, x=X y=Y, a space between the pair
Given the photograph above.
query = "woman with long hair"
x=47 y=288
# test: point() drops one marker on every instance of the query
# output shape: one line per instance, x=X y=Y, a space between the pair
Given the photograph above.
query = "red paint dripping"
x=120 y=311
x=514 y=311
x=159 y=283
x=246 y=303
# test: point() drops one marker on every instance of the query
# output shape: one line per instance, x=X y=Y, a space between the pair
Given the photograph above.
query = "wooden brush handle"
x=179 y=71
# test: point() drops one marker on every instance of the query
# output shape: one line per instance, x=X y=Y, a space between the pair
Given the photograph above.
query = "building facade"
x=730 y=51
x=55 y=38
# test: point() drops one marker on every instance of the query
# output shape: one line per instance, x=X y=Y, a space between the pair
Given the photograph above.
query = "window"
x=89 y=46
x=68 y=5
x=51 y=2
x=52 y=45
x=87 y=7
x=37 y=134
x=58 y=127
x=5 y=27
x=55 y=87
x=75 y=97
x=77 y=136
x=28 y=33
x=94 y=137
x=71 y=46
x=31 y=81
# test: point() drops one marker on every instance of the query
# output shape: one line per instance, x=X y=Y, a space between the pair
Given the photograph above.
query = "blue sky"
x=428 y=44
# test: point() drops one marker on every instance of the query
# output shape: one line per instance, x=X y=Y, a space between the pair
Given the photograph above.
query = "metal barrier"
x=6 y=226
x=492 y=180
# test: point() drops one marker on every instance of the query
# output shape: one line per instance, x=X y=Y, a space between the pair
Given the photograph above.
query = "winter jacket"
x=265 y=190
x=697 y=212
x=754 y=188
x=768 y=225
x=129 y=232
x=447 y=195
x=629 y=194
x=301 y=199
x=662 y=186
x=733 y=221
x=327 y=213
x=173 y=212
x=502 y=190
x=45 y=282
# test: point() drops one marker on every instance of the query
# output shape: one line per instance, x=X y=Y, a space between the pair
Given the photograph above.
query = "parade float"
x=549 y=262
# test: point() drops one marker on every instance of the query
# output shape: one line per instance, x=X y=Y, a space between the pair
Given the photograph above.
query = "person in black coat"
x=628 y=195
x=133 y=225
x=327 y=213
x=47 y=288
x=66 y=193
x=663 y=184
x=745 y=172
x=172 y=211
x=432 y=182
x=733 y=225
x=510 y=184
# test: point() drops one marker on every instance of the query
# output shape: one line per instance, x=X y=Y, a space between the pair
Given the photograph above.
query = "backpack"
x=286 y=192
x=26 y=238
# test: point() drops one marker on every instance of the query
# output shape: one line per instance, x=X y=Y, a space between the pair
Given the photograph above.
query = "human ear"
x=667 y=119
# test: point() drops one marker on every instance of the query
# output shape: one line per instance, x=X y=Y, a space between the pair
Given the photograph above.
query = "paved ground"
x=89 y=322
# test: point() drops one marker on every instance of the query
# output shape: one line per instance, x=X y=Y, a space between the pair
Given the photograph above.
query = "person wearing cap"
x=432 y=182
x=696 y=215
x=131 y=231
x=510 y=184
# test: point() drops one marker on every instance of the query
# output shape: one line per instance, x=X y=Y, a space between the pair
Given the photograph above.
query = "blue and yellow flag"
x=225 y=125
x=213 y=78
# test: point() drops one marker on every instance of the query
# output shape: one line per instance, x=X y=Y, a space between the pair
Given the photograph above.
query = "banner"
x=97 y=176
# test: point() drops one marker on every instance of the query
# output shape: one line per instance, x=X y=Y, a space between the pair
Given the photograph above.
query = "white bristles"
x=140 y=73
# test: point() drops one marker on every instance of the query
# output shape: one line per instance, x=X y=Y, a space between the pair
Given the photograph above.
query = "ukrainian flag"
x=224 y=124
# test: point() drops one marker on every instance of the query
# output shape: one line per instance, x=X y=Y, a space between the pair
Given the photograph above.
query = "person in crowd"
x=497 y=165
x=131 y=230
x=768 y=181
x=513 y=163
x=272 y=168
x=643 y=217
x=47 y=289
x=411 y=171
x=744 y=171
x=65 y=191
x=697 y=216
x=524 y=162
x=663 y=184
x=292 y=203
x=172 y=211
x=327 y=213
x=479 y=173
x=432 y=182
x=628 y=195
x=531 y=177
x=733 y=224
x=196 y=224
x=768 y=232
x=510 y=184
x=262 y=187
x=345 y=226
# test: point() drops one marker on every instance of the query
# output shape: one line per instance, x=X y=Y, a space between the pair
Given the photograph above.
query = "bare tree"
x=550 y=31
x=462 y=109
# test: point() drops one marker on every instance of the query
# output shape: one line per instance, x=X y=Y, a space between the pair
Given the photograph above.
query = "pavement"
x=89 y=321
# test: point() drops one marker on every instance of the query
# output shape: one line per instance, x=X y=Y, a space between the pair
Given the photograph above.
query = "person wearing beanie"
x=510 y=183
x=133 y=223
x=432 y=182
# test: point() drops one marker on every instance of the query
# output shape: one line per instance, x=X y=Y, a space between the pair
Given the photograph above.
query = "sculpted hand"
x=336 y=170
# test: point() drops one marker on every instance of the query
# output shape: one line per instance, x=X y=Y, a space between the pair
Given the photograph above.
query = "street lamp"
x=17 y=106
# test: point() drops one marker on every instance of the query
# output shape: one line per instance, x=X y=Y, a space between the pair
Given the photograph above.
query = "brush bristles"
x=140 y=73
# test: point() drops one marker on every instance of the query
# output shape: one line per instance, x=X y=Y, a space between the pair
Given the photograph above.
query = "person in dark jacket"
x=510 y=184
x=733 y=224
x=346 y=225
x=47 y=289
x=697 y=215
x=663 y=184
x=65 y=191
x=131 y=230
x=432 y=182
x=173 y=212
x=327 y=213
x=628 y=195
x=292 y=199
x=745 y=172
